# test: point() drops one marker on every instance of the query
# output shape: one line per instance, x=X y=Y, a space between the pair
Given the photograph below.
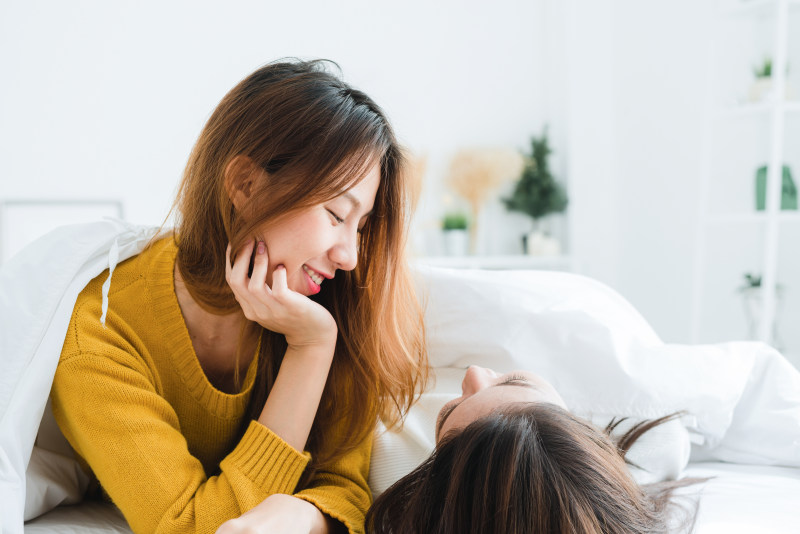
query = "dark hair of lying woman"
x=531 y=468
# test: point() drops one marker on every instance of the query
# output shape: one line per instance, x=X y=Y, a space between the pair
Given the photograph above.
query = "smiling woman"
x=245 y=358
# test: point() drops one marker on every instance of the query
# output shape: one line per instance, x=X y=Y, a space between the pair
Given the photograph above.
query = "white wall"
x=662 y=59
x=636 y=116
x=590 y=119
x=104 y=99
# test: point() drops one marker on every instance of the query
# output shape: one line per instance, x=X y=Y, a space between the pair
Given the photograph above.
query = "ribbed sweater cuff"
x=336 y=507
x=268 y=461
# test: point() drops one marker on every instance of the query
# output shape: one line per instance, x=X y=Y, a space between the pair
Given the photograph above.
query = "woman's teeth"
x=314 y=276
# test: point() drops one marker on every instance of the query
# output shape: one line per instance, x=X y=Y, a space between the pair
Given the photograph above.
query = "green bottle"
x=788 y=190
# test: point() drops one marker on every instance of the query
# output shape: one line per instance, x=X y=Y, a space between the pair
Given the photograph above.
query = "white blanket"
x=743 y=398
x=38 y=289
x=583 y=337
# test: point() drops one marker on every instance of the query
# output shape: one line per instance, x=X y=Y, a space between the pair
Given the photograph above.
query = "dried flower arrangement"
x=476 y=172
x=416 y=166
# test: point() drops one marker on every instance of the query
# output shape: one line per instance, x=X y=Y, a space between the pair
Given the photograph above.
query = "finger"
x=241 y=265
x=258 y=279
x=279 y=284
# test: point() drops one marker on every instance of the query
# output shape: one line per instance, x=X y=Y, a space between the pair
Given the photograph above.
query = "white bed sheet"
x=747 y=499
x=83 y=518
x=739 y=499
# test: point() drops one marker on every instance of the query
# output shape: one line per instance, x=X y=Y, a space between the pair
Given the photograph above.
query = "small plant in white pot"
x=456 y=237
x=537 y=194
x=763 y=86
x=753 y=299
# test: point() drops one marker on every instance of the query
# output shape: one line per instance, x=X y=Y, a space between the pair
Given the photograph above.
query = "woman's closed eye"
x=340 y=220
x=336 y=218
x=515 y=380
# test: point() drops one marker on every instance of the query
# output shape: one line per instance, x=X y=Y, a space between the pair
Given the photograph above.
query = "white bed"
x=739 y=499
x=747 y=498
x=602 y=356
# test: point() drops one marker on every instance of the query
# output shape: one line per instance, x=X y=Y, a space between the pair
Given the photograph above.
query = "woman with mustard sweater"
x=246 y=356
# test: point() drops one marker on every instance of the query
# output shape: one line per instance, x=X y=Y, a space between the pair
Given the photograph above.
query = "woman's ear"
x=240 y=176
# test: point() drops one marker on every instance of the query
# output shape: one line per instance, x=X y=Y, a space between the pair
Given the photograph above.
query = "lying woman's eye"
x=336 y=218
x=514 y=378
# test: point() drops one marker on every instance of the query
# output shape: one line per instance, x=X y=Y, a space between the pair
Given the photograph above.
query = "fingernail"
x=261 y=247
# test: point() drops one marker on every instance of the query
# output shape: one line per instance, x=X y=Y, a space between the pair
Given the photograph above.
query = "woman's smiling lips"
x=314 y=278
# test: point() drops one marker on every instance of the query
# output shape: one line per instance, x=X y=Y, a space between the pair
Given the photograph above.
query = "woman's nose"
x=477 y=378
x=345 y=253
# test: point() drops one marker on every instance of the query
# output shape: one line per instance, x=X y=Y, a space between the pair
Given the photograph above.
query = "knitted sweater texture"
x=135 y=404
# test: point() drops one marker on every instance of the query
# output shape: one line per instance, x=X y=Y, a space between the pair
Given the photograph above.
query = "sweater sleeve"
x=340 y=490
x=112 y=415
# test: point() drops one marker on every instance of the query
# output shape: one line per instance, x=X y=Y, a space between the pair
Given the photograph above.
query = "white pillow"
x=585 y=339
x=573 y=331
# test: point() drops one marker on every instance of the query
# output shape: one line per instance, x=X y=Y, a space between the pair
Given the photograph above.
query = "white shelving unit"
x=509 y=262
x=763 y=133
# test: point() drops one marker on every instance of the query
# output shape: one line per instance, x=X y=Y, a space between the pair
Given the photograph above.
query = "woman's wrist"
x=321 y=350
x=293 y=401
x=321 y=336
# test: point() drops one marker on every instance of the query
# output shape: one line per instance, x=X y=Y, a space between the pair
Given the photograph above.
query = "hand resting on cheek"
x=302 y=321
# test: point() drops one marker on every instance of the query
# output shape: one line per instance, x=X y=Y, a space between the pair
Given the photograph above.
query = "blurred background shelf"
x=754 y=127
x=507 y=262
x=753 y=8
x=790 y=107
x=789 y=216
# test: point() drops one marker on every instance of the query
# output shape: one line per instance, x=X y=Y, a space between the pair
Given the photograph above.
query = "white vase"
x=540 y=244
x=762 y=89
x=753 y=299
x=456 y=242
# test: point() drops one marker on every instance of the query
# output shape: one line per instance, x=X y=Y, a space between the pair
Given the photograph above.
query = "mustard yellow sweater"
x=134 y=403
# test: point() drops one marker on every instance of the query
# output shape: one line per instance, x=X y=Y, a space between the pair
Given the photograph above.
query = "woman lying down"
x=510 y=458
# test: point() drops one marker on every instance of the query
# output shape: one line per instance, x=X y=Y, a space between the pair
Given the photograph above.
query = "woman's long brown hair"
x=315 y=137
x=529 y=468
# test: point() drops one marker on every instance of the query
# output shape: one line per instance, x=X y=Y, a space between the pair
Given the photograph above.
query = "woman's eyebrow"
x=355 y=202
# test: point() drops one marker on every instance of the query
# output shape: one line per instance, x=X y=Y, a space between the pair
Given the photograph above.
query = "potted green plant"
x=762 y=86
x=538 y=194
x=456 y=237
x=753 y=300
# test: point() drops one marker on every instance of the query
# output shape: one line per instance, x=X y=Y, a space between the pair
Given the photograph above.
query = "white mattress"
x=746 y=498
x=84 y=518
x=739 y=499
